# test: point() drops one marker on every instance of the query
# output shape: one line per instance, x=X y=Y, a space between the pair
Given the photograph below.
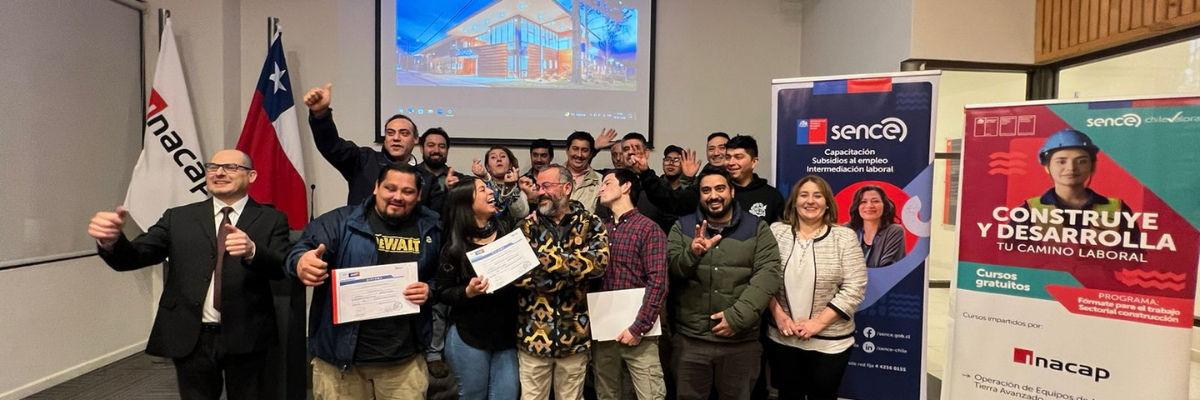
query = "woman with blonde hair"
x=824 y=280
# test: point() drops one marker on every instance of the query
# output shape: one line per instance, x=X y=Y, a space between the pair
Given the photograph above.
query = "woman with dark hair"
x=501 y=172
x=873 y=218
x=824 y=281
x=481 y=343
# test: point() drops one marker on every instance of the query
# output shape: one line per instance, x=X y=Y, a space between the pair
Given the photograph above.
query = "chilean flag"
x=272 y=139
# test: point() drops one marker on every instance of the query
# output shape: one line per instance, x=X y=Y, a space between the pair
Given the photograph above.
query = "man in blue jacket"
x=379 y=358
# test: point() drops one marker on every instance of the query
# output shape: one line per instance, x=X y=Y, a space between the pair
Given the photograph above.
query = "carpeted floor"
x=135 y=377
x=141 y=377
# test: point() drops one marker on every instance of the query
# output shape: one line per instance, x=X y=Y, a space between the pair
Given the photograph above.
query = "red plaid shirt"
x=637 y=259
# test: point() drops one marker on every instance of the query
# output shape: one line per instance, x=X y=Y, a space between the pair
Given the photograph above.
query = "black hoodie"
x=758 y=197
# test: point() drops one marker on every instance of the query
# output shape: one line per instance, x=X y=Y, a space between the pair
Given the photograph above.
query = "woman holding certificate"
x=824 y=280
x=481 y=343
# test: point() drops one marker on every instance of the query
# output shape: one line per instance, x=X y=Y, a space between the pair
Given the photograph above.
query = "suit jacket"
x=187 y=235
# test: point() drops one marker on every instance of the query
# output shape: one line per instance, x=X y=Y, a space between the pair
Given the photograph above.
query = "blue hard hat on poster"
x=1066 y=139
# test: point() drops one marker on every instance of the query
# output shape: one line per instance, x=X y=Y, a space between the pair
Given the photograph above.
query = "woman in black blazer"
x=873 y=218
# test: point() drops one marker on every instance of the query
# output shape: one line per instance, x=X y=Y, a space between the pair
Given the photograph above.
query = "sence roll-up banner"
x=870 y=137
x=1077 y=250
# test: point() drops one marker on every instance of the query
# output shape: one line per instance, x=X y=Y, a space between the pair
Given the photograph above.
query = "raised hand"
x=526 y=184
x=511 y=176
x=689 y=163
x=311 y=269
x=637 y=162
x=701 y=242
x=477 y=286
x=606 y=139
x=477 y=168
x=451 y=178
x=106 y=226
x=237 y=243
x=317 y=99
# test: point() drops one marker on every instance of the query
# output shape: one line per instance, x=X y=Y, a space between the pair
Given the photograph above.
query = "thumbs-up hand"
x=451 y=178
x=106 y=227
x=311 y=269
x=317 y=99
x=237 y=243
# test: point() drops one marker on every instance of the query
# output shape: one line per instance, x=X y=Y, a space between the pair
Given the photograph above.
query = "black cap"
x=672 y=149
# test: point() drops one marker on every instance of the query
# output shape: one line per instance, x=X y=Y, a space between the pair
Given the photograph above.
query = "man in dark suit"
x=216 y=318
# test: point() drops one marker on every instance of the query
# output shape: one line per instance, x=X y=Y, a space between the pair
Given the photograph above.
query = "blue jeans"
x=482 y=374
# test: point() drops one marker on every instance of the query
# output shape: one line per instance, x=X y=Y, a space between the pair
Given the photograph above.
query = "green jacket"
x=737 y=276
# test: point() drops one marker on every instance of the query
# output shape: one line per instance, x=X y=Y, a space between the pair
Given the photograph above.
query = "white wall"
x=855 y=36
x=64 y=319
x=1000 y=31
x=1170 y=69
x=714 y=63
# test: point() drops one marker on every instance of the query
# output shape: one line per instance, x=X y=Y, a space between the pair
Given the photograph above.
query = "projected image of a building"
x=517 y=43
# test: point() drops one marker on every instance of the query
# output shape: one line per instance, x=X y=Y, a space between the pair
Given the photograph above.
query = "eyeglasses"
x=670 y=160
x=548 y=185
x=229 y=168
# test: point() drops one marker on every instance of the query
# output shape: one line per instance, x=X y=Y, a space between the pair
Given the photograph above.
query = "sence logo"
x=890 y=128
x=1023 y=356
x=1129 y=119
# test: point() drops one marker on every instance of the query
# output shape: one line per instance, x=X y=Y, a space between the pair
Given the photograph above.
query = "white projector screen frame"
x=487 y=115
x=76 y=84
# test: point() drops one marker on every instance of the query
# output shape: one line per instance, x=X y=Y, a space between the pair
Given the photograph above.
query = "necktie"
x=221 y=234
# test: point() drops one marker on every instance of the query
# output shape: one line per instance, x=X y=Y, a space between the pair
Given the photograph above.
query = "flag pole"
x=163 y=14
x=272 y=27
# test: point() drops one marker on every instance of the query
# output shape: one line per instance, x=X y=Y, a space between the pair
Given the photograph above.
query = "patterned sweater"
x=553 y=316
x=841 y=276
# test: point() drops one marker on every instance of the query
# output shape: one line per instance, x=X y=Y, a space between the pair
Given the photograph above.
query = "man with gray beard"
x=572 y=246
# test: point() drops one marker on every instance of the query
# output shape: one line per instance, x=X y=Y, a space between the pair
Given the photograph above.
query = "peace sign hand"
x=701 y=242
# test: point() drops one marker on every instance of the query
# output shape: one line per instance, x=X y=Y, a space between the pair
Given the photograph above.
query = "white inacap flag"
x=170 y=169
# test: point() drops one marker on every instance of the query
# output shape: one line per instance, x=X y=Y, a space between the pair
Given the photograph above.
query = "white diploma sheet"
x=372 y=292
x=504 y=260
x=613 y=311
